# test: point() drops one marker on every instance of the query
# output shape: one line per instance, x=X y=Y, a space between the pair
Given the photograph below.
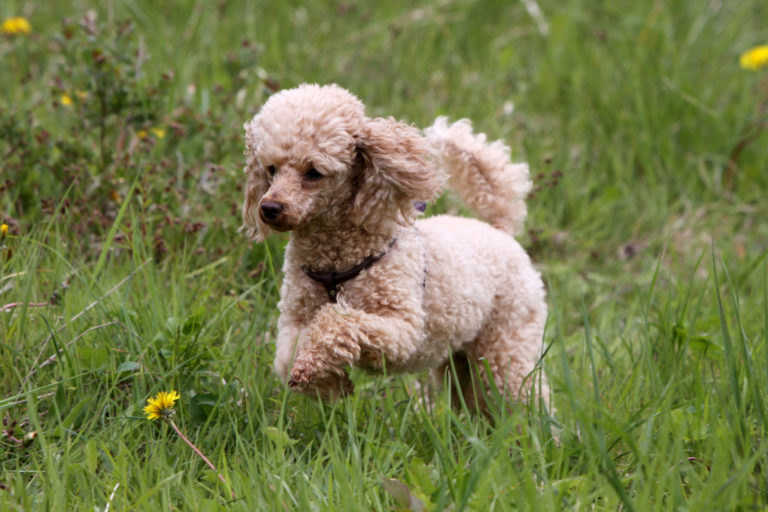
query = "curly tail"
x=481 y=173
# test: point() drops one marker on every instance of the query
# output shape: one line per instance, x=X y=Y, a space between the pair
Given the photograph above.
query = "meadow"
x=122 y=272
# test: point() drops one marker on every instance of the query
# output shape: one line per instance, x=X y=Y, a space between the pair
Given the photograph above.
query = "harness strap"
x=332 y=280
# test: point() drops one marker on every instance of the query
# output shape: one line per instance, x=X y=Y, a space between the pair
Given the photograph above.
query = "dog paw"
x=304 y=374
x=300 y=379
x=310 y=378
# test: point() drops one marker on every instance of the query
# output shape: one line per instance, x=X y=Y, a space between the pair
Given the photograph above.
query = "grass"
x=123 y=274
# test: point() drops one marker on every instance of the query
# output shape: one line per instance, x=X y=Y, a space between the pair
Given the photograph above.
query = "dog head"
x=314 y=156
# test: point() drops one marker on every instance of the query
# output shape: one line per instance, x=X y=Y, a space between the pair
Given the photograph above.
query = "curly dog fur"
x=344 y=185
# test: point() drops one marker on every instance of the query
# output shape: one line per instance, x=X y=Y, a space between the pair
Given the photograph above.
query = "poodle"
x=368 y=285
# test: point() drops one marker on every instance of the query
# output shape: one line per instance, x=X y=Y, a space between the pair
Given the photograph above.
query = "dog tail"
x=481 y=173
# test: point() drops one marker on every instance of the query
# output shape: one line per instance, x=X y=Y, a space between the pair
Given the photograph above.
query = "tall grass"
x=123 y=273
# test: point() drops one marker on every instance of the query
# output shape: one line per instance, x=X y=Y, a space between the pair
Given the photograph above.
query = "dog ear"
x=396 y=171
x=256 y=186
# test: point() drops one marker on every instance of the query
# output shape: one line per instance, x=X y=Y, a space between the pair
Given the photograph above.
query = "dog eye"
x=313 y=174
x=271 y=170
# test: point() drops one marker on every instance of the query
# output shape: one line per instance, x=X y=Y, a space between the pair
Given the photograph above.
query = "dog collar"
x=332 y=280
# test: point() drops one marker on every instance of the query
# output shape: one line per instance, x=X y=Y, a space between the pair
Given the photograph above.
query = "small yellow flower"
x=142 y=134
x=159 y=132
x=3 y=230
x=15 y=26
x=66 y=100
x=81 y=94
x=755 y=58
x=161 y=407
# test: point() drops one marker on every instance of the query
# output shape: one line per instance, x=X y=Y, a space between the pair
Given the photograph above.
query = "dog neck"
x=332 y=280
x=339 y=246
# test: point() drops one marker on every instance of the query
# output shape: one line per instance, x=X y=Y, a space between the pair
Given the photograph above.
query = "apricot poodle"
x=367 y=284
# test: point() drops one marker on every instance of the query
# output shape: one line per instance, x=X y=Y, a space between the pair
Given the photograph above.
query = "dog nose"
x=271 y=209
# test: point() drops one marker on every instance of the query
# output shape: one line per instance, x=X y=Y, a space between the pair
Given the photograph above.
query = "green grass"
x=652 y=244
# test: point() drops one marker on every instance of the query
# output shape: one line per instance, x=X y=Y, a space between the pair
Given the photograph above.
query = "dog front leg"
x=285 y=350
x=340 y=337
x=328 y=382
x=326 y=348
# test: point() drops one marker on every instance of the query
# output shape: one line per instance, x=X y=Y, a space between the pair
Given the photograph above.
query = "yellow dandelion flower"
x=161 y=407
x=159 y=132
x=66 y=100
x=755 y=58
x=3 y=230
x=142 y=134
x=15 y=26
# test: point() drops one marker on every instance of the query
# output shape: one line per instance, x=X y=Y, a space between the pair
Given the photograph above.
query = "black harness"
x=332 y=280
